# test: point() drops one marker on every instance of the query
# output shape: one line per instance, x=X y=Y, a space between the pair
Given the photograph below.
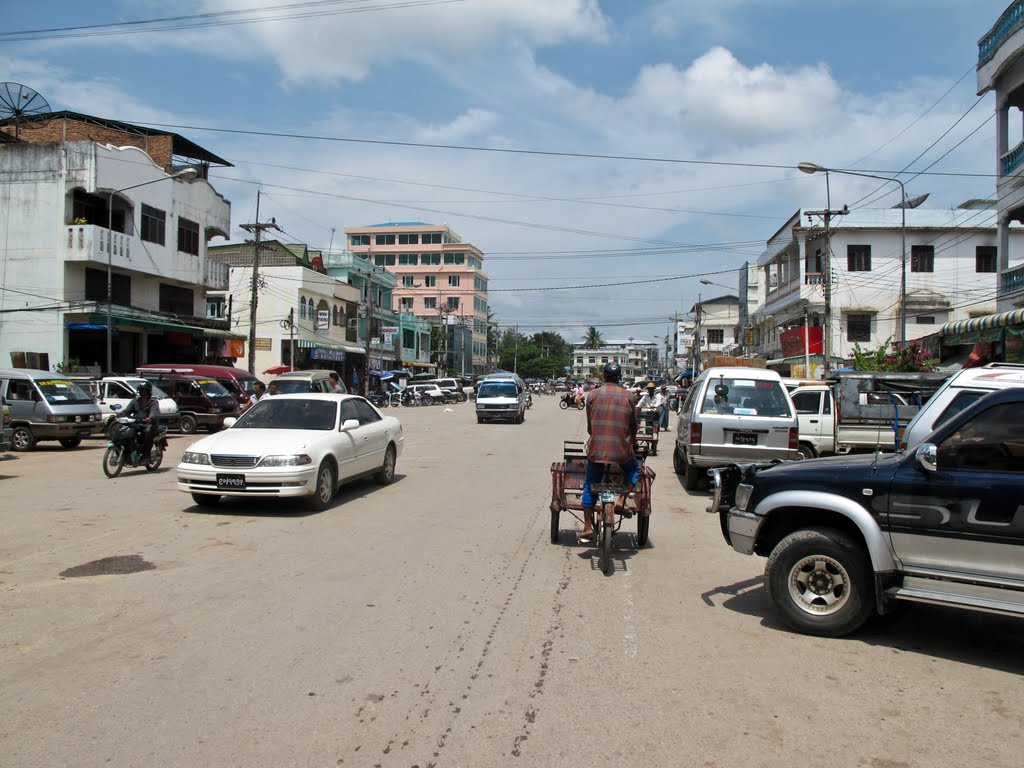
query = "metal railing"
x=1012 y=281
x=1008 y=23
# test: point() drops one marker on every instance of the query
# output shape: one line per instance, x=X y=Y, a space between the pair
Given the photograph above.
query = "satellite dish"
x=18 y=102
x=913 y=202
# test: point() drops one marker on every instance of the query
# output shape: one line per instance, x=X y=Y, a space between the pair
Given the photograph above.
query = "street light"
x=184 y=173
x=812 y=168
x=720 y=285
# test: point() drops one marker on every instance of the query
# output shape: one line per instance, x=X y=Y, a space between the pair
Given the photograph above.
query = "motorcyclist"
x=611 y=423
x=146 y=409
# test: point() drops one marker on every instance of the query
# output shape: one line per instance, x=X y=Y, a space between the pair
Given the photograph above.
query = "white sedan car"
x=293 y=445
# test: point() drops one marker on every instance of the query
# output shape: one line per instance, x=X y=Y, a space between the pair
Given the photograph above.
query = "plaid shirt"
x=611 y=422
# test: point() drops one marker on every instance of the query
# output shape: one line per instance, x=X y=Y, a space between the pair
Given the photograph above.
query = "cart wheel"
x=654 y=448
x=554 y=526
x=607 y=532
x=643 y=525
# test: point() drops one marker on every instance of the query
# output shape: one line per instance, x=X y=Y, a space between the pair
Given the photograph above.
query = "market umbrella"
x=278 y=369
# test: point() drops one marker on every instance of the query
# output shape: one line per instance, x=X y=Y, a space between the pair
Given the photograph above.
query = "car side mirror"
x=229 y=422
x=927 y=457
x=349 y=424
x=116 y=407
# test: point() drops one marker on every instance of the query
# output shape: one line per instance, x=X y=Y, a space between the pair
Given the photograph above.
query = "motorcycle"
x=569 y=401
x=529 y=399
x=124 y=448
x=379 y=399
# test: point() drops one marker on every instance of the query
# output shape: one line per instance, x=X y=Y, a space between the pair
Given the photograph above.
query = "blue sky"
x=735 y=84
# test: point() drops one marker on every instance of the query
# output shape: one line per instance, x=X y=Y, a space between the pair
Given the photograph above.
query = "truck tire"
x=806 y=452
x=678 y=462
x=188 y=424
x=820 y=581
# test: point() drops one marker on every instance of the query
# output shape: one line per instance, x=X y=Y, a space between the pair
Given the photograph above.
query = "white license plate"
x=231 y=482
x=744 y=438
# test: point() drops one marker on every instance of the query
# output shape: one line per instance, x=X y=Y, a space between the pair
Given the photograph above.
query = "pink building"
x=440 y=278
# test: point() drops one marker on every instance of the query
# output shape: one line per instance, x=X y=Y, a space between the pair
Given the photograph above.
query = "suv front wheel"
x=820 y=580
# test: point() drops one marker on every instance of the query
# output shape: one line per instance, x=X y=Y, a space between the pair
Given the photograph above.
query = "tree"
x=593 y=339
x=907 y=359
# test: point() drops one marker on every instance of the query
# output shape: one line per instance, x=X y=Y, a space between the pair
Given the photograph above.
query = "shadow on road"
x=968 y=637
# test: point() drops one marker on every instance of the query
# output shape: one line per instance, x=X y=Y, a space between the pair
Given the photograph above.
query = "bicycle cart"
x=567 y=494
x=647 y=432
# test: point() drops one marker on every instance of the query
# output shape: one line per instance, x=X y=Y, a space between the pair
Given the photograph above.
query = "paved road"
x=432 y=622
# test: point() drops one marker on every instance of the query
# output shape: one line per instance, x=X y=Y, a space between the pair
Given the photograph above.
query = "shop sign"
x=262 y=345
x=323 y=319
x=317 y=353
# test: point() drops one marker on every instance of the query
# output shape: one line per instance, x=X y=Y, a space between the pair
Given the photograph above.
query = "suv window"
x=746 y=397
x=117 y=390
x=807 y=402
x=959 y=403
x=990 y=442
x=20 y=390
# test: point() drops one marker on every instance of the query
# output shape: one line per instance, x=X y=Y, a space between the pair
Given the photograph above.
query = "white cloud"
x=474 y=124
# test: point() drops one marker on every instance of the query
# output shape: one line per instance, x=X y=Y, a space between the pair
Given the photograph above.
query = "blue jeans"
x=595 y=473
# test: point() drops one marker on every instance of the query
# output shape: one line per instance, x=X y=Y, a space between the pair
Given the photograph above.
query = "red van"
x=237 y=381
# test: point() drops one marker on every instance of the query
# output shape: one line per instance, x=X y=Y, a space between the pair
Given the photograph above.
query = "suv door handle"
x=813 y=421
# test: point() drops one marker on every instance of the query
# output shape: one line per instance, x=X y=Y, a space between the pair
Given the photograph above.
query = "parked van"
x=113 y=393
x=295 y=382
x=201 y=401
x=734 y=415
x=237 y=381
x=961 y=390
x=501 y=397
x=47 y=406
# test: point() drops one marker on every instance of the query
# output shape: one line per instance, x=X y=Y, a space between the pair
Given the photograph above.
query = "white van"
x=734 y=415
x=118 y=391
x=963 y=388
x=501 y=398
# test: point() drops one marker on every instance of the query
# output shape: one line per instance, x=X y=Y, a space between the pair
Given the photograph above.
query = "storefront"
x=347 y=359
x=998 y=337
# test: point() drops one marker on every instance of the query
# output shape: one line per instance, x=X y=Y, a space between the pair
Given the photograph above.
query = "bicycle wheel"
x=113 y=461
x=607 y=532
x=643 y=526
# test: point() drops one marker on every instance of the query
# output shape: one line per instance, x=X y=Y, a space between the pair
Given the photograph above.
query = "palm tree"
x=593 y=339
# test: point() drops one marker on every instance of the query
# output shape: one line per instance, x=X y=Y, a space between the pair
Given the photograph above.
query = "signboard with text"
x=323 y=319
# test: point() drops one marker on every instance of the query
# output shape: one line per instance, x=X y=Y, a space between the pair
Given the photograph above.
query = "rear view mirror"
x=927 y=457
x=349 y=424
x=229 y=422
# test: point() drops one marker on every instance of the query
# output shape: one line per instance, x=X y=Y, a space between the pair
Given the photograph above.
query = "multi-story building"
x=715 y=329
x=95 y=225
x=637 y=358
x=950 y=272
x=1001 y=69
x=440 y=278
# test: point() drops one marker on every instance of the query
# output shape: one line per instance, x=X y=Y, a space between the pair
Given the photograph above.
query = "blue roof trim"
x=399 y=224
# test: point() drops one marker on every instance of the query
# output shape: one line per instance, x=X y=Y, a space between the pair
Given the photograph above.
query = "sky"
x=583 y=145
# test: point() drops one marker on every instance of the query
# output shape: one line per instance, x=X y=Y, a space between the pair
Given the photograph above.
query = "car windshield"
x=62 y=392
x=746 y=397
x=290 y=414
x=498 y=389
x=158 y=393
x=213 y=388
x=293 y=386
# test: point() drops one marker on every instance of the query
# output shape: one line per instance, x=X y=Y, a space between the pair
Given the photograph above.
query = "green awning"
x=217 y=333
x=163 y=323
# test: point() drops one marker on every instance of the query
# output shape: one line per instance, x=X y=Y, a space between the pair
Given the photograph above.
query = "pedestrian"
x=259 y=391
x=663 y=408
x=336 y=387
x=272 y=388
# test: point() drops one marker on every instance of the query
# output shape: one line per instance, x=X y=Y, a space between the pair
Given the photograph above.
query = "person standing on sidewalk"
x=663 y=408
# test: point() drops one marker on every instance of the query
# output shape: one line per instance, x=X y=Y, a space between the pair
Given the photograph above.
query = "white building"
x=949 y=269
x=715 y=329
x=57 y=252
x=636 y=357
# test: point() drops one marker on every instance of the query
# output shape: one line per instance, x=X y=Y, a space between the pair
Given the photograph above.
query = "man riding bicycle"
x=611 y=423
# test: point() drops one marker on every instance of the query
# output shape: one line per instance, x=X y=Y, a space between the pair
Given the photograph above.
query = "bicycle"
x=607 y=496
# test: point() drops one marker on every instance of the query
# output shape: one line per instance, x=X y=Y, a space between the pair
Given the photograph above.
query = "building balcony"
x=1011 y=289
x=814 y=278
x=101 y=247
x=1011 y=21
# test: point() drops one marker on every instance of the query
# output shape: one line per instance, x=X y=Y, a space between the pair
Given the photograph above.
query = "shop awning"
x=217 y=333
x=800 y=359
x=315 y=344
x=987 y=322
x=98 y=321
x=419 y=365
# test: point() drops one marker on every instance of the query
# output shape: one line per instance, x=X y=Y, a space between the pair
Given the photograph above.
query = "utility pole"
x=368 y=308
x=290 y=325
x=257 y=230
x=827 y=214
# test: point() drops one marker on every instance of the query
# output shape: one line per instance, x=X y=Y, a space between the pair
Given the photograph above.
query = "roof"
x=400 y=224
x=179 y=146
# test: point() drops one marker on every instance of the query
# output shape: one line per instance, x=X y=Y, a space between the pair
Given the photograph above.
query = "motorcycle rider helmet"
x=612 y=371
x=145 y=389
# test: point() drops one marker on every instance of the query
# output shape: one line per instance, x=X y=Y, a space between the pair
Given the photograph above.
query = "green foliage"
x=907 y=359
x=543 y=355
x=593 y=339
x=69 y=367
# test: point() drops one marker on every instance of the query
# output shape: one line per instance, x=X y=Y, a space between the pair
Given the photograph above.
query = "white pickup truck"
x=859 y=411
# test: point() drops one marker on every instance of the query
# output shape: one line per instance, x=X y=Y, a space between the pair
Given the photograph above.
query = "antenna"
x=19 y=102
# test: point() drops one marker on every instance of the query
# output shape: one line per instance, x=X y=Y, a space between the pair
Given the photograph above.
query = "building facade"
x=441 y=279
x=83 y=220
x=637 y=358
x=714 y=331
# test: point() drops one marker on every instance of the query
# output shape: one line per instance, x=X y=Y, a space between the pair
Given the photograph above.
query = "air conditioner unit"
x=353 y=323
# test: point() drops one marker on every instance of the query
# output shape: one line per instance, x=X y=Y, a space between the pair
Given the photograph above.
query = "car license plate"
x=86 y=431
x=744 y=438
x=231 y=482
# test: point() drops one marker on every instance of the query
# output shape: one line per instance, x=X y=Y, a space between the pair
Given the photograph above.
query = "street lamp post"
x=184 y=173
x=814 y=168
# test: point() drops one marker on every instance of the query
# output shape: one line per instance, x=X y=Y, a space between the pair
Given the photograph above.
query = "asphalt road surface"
x=433 y=623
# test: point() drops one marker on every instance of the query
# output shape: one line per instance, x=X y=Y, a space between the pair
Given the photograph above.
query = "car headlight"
x=743 y=492
x=191 y=457
x=286 y=461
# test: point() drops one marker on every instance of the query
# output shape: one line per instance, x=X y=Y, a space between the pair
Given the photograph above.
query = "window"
x=430 y=302
x=385 y=240
x=409 y=238
x=176 y=300
x=479 y=284
x=858 y=327
x=922 y=258
x=987 y=443
x=858 y=258
x=408 y=259
x=430 y=281
x=20 y=390
x=360 y=240
x=153 y=224
x=925 y=319
x=384 y=259
x=302 y=308
x=807 y=402
x=455 y=258
x=813 y=263
x=407 y=281
x=408 y=338
x=430 y=259
x=453 y=302
x=985 y=258
x=405 y=303
x=716 y=336
x=365 y=412
x=96 y=287
x=453 y=281
x=188 y=236
x=429 y=238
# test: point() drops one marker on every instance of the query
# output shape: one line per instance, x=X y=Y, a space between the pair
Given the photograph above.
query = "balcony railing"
x=88 y=242
x=1009 y=22
x=814 y=278
x=1012 y=281
x=1011 y=161
x=215 y=275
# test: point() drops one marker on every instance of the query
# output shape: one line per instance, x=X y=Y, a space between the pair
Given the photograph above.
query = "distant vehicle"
x=237 y=381
x=113 y=393
x=303 y=445
x=431 y=390
x=202 y=402
x=501 y=399
x=297 y=382
x=46 y=406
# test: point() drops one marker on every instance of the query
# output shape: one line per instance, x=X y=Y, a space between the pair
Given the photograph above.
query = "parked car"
x=237 y=381
x=849 y=536
x=46 y=406
x=455 y=386
x=432 y=390
x=960 y=390
x=201 y=402
x=295 y=382
x=734 y=415
x=302 y=445
x=113 y=393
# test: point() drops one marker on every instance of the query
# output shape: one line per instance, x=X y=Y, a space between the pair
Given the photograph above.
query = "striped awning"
x=316 y=344
x=987 y=322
